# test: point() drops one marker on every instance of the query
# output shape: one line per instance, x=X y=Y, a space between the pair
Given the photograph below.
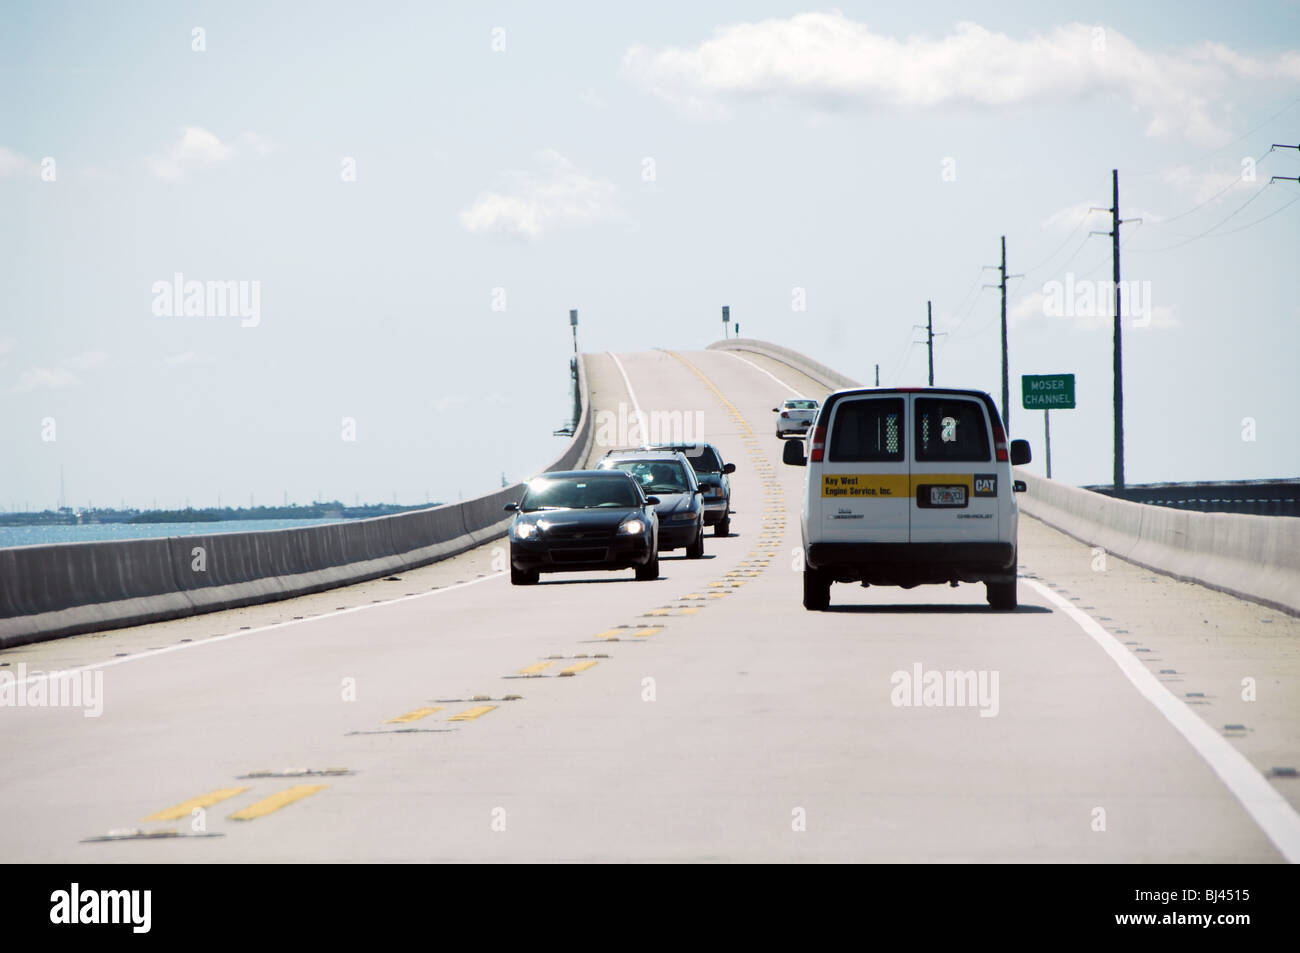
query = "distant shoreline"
x=334 y=510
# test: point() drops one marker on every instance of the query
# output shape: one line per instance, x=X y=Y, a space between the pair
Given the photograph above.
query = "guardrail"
x=1253 y=557
x=51 y=591
x=1261 y=497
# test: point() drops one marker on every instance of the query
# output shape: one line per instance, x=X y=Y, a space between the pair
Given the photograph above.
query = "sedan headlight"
x=632 y=527
x=525 y=530
x=684 y=517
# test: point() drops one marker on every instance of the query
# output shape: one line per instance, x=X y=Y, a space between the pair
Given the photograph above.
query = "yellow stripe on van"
x=945 y=479
x=889 y=486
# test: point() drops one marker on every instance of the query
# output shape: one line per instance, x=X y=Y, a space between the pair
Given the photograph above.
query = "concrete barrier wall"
x=47 y=592
x=829 y=378
x=1253 y=557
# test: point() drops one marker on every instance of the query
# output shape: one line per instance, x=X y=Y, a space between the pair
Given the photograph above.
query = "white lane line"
x=636 y=407
x=1260 y=799
x=761 y=370
x=150 y=653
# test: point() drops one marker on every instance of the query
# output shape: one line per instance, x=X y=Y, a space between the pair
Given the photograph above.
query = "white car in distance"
x=796 y=416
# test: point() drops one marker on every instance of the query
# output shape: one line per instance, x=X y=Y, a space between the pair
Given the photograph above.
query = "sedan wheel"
x=650 y=571
x=696 y=549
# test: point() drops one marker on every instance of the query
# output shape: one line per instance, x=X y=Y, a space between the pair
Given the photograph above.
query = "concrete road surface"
x=702 y=717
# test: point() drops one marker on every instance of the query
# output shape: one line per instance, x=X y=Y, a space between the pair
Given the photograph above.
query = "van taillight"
x=818 y=445
x=1000 y=442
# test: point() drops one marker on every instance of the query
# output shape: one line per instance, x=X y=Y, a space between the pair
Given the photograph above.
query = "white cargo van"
x=909 y=486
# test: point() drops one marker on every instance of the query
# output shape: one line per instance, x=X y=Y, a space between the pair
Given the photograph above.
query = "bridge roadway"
x=770 y=734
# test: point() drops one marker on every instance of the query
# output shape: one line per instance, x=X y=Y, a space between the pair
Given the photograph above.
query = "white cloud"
x=1202 y=186
x=532 y=203
x=11 y=163
x=197 y=148
x=45 y=377
x=60 y=376
x=84 y=362
x=6 y=345
x=443 y=404
x=175 y=360
x=831 y=60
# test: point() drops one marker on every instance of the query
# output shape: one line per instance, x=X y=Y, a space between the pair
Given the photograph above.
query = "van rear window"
x=950 y=429
x=868 y=430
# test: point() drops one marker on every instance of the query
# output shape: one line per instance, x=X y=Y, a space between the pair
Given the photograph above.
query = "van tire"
x=816 y=590
x=723 y=526
x=523 y=577
x=1001 y=595
x=650 y=571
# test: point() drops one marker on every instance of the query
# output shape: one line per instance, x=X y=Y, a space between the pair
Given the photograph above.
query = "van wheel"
x=650 y=571
x=723 y=526
x=816 y=590
x=1001 y=595
x=696 y=549
x=523 y=577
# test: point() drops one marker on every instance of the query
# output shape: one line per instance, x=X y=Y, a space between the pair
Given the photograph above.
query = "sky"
x=409 y=198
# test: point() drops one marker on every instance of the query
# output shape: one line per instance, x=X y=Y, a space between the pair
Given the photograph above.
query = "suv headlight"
x=526 y=530
x=632 y=527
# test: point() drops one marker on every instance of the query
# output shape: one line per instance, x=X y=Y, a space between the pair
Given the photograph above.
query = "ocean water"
x=90 y=532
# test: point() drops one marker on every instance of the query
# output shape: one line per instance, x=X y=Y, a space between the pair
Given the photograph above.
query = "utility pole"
x=1006 y=385
x=1115 y=222
x=929 y=342
x=929 y=339
x=877 y=375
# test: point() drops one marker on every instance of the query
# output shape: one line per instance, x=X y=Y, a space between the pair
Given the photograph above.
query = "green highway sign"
x=1047 y=391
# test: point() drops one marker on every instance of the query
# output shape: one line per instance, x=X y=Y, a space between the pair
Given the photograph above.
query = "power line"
x=1234 y=181
x=1249 y=132
x=1071 y=235
x=1221 y=222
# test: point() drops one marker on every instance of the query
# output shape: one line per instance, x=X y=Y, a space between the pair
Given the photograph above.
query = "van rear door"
x=955 y=484
x=863 y=491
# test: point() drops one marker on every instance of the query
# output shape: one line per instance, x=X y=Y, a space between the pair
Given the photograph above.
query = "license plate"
x=947 y=496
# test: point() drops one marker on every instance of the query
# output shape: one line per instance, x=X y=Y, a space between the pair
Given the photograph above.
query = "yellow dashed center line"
x=607 y=634
x=578 y=667
x=534 y=668
x=647 y=631
x=413 y=715
x=186 y=808
x=469 y=714
x=276 y=801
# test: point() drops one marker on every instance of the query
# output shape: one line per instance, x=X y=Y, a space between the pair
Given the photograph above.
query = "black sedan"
x=576 y=520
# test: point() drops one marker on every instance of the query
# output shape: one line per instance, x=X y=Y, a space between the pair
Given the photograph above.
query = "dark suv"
x=706 y=461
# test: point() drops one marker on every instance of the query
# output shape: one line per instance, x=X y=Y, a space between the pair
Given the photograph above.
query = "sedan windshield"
x=658 y=476
x=578 y=494
x=801 y=405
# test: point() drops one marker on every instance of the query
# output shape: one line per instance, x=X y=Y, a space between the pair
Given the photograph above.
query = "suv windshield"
x=656 y=476
x=578 y=493
x=703 y=458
